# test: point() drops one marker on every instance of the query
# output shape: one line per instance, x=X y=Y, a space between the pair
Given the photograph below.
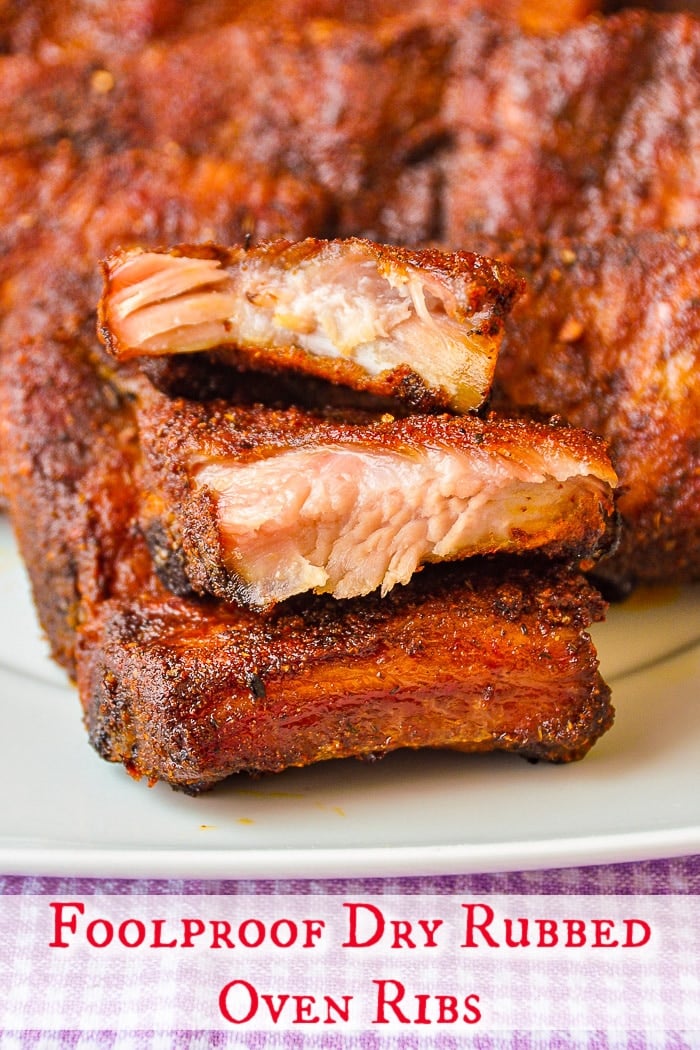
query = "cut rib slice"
x=255 y=505
x=421 y=325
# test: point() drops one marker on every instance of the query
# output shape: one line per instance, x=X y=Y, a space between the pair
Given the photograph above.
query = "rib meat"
x=326 y=101
x=494 y=659
x=424 y=326
x=101 y=28
x=255 y=505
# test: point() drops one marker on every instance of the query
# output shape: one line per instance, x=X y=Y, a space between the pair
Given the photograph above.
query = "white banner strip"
x=415 y=964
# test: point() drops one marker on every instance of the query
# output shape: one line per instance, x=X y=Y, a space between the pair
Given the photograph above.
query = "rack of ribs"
x=584 y=133
x=491 y=653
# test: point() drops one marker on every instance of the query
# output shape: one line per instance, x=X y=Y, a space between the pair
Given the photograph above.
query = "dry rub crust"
x=572 y=134
x=493 y=658
x=127 y=24
x=608 y=335
x=327 y=101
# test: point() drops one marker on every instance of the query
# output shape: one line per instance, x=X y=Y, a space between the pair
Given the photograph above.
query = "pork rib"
x=422 y=325
x=494 y=659
x=255 y=505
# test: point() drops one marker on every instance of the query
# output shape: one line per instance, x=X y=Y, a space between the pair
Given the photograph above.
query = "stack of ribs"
x=305 y=498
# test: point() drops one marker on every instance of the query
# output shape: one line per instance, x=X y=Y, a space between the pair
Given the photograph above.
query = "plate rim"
x=370 y=862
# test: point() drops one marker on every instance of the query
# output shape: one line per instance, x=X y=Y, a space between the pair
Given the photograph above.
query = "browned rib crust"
x=497 y=660
x=328 y=101
x=573 y=134
x=609 y=336
x=126 y=24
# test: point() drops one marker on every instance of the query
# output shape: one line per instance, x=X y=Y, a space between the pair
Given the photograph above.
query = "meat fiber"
x=424 y=326
x=255 y=505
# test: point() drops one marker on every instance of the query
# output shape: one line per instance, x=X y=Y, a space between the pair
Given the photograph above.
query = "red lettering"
x=422 y=1001
x=575 y=933
x=275 y=1011
x=314 y=929
x=473 y=1014
x=355 y=912
x=193 y=928
x=258 y=936
x=59 y=923
x=343 y=1011
x=511 y=940
x=221 y=934
x=548 y=933
x=482 y=927
x=91 y=933
x=629 y=941
x=158 y=925
x=447 y=1009
x=304 y=1005
x=402 y=932
x=276 y=936
x=140 y=936
x=603 y=934
x=430 y=928
x=385 y=1001
x=252 y=1001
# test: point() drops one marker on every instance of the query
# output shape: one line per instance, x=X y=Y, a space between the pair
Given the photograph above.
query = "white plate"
x=637 y=795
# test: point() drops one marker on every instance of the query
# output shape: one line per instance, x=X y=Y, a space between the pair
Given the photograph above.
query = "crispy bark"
x=609 y=336
x=84 y=209
x=326 y=101
x=574 y=134
x=101 y=28
x=497 y=659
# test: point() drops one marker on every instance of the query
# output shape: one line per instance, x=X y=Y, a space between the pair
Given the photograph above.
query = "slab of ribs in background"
x=565 y=142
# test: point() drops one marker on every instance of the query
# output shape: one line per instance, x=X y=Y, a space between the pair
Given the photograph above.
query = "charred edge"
x=109 y=724
x=168 y=560
x=407 y=385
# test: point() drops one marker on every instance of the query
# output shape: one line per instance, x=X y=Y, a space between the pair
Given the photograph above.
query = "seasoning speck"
x=571 y=331
x=102 y=82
